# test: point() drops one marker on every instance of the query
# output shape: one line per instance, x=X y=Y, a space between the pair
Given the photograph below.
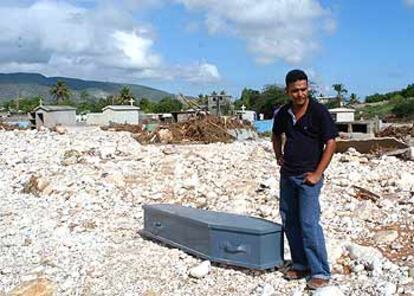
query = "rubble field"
x=71 y=208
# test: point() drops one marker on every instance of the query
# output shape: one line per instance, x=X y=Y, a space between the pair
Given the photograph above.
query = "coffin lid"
x=219 y=220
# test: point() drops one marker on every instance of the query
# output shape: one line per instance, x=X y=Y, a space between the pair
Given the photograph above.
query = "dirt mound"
x=118 y=127
x=205 y=129
x=397 y=132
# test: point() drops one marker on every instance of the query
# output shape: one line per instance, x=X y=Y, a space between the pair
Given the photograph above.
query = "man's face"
x=298 y=92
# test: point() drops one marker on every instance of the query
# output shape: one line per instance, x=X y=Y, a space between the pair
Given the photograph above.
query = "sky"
x=198 y=46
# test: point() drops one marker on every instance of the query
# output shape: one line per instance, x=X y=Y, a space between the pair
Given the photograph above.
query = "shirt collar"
x=308 y=110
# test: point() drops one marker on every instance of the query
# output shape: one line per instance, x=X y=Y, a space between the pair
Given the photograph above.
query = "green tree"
x=340 y=92
x=25 y=104
x=404 y=109
x=408 y=92
x=125 y=96
x=167 y=105
x=271 y=97
x=147 y=106
x=353 y=99
x=60 y=92
x=84 y=95
x=248 y=96
x=375 y=98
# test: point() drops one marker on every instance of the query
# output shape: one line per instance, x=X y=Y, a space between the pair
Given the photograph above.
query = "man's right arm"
x=277 y=148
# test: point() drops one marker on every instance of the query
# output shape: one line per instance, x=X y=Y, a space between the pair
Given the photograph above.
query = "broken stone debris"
x=82 y=228
x=202 y=129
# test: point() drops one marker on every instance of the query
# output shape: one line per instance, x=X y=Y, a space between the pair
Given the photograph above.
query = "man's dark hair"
x=295 y=75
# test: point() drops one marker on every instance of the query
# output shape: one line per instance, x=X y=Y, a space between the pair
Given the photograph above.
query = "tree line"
x=263 y=101
x=61 y=95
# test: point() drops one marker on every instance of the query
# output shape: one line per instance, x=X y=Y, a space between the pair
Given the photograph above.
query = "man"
x=310 y=143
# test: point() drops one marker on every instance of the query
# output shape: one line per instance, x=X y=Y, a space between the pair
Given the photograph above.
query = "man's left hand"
x=312 y=178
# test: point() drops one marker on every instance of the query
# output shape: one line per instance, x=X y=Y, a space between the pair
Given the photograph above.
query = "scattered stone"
x=267 y=290
x=39 y=287
x=201 y=270
x=61 y=130
x=169 y=150
x=35 y=185
x=386 y=289
x=83 y=234
x=385 y=236
x=165 y=136
x=358 y=268
x=328 y=291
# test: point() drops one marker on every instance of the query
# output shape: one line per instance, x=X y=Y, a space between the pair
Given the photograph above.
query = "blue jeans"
x=300 y=212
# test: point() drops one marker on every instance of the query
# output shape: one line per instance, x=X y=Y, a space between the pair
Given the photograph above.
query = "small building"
x=180 y=116
x=342 y=114
x=122 y=113
x=115 y=114
x=49 y=116
x=217 y=104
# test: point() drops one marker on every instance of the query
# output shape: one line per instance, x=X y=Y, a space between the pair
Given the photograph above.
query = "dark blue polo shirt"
x=305 y=138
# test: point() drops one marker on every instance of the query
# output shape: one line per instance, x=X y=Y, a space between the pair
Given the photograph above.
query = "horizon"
x=194 y=47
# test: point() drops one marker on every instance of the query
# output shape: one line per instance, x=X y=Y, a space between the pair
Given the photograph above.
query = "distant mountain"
x=27 y=85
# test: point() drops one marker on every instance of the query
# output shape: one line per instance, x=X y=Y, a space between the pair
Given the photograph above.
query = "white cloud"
x=409 y=3
x=272 y=29
x=200 y=73
x=87 y=39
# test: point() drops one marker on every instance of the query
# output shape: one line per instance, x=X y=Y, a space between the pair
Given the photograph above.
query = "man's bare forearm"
x=326 y=156
x=277 y=148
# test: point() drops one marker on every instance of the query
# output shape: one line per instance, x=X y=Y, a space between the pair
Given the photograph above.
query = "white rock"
x=267 y=290
x=368 y=256
x=61 y=130
x=386 y=289
x=358 y=268
x=201 y=270
x=385 y=236
x=334 y=249
x=328 y=291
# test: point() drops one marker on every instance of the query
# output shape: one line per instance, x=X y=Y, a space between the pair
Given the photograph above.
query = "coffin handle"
x=157 y=227
x=158 y=224
x=231 y=248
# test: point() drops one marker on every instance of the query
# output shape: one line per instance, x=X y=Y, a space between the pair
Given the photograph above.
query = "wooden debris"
x=364 y=194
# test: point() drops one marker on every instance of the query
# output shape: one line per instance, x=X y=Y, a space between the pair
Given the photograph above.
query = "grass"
x=369 y=112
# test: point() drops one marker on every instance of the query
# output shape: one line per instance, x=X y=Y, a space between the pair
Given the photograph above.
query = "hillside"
x=401 y=110
x=27 y=85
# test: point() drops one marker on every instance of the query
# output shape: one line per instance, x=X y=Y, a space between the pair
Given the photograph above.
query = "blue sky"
x=197 y=46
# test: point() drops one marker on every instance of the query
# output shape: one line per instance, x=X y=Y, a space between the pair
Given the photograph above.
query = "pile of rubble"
x=71 y=209
x=201 y=129
x=401 y=132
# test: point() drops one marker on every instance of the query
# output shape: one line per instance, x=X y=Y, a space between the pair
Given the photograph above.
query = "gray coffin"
x=227 y=238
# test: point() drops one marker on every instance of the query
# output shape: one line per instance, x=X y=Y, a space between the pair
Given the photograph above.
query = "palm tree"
x=353 y=99
x=125 y=96
x=340 y=92
x=60 y=92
